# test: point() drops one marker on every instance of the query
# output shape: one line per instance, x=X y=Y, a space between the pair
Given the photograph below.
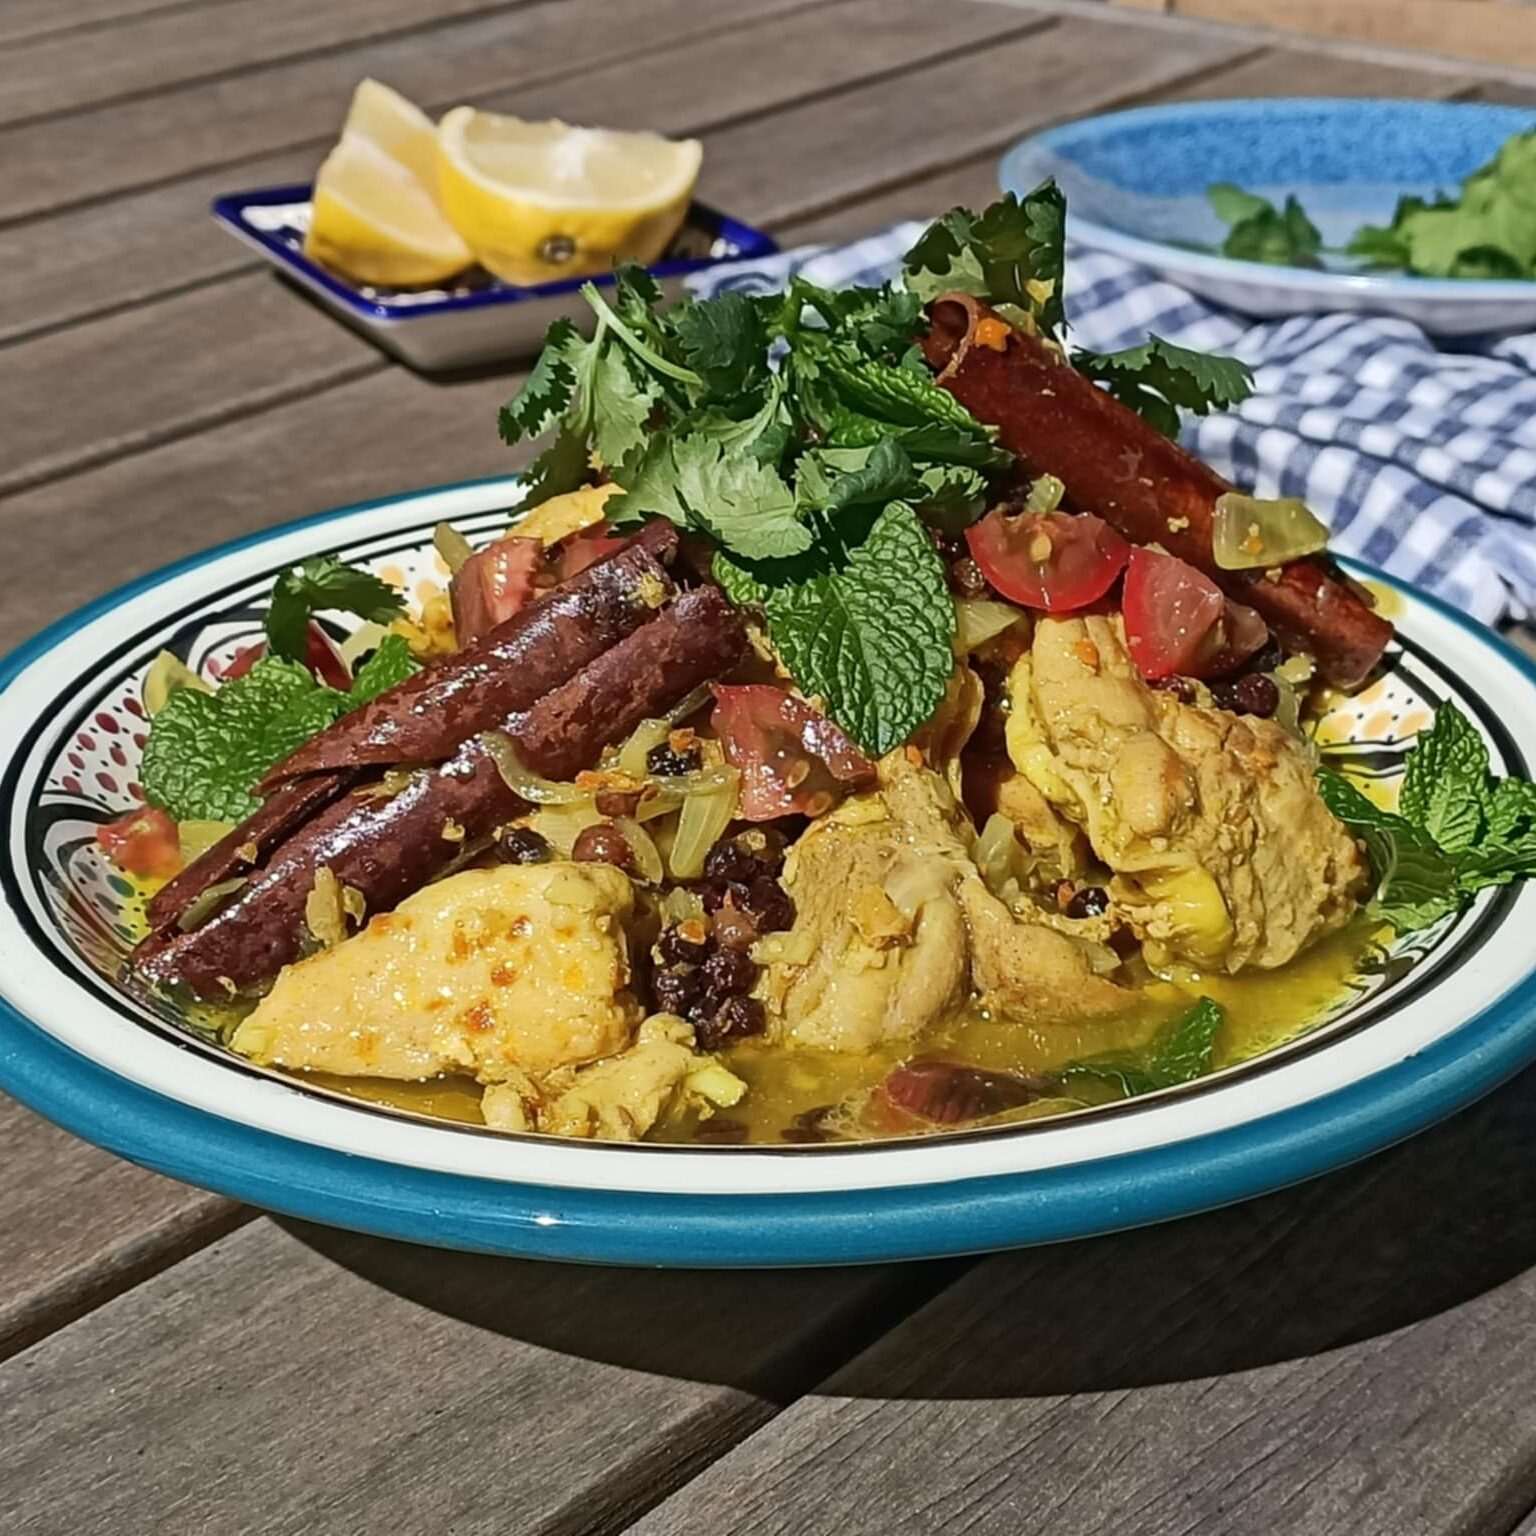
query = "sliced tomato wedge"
x=792 y=759
x=320 y=655
x=586 y=548
x=143 y=842
x=493 y=584
x=1178 y=622
x=1054 y=561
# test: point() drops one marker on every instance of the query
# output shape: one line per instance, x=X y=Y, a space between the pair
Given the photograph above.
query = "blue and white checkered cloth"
x=1423 y=462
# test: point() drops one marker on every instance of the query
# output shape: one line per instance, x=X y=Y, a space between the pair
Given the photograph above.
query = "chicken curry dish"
x=872 y=723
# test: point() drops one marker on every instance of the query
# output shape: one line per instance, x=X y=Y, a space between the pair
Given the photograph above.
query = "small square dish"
x=479 y=319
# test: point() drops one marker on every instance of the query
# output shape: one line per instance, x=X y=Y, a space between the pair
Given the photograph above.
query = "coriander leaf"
x=867 y=626
x=206 y=750
x=1487 y=263
x=1157 y=377
x=563 y=466
x=724 y=340
x=1232 y=204
x=1179 y=1053
x=693 y=482
x=621 y=406
x=1378 y=247
x=1012 y=253
x=1445 y=781
x=547 y=390
x=952 y=497
x=1261 y=232
x=324 y=584
x=390 y=663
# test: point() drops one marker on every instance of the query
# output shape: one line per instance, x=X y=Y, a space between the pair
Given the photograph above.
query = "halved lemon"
x=399 y=127
x=542 y=201
x=373 y=220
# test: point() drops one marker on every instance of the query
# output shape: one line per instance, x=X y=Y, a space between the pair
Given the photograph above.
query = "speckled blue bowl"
x=1135 y=185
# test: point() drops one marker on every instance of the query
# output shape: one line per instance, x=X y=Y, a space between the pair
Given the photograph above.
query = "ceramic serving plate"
x=479 y=319
x=1135 y=184
x=1441 y=1020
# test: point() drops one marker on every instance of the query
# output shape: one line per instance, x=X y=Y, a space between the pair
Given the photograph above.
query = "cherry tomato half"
x=791 y=758
x=321 y=656
x=493 y=584
x=1179 y=622
x=144 y=842
x=1055 y=561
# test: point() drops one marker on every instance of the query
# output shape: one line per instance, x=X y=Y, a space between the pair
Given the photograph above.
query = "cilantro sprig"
x=324 y=584
x=206 y=750
x=1458 y=828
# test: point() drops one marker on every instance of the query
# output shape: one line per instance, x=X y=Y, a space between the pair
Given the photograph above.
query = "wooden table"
x=1353 y=1356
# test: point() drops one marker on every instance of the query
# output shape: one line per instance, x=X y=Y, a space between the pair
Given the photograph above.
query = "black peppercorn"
x=665 y=761
x=1091 y=901
x=521 y=845
x=1254 y=694
x=735 y=1019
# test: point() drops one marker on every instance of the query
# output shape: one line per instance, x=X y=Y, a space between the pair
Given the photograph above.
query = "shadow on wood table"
x=1405 y=1235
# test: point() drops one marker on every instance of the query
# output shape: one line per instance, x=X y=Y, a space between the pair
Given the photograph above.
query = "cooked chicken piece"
x=619 y=1099
x=1060 y=846
x=877 y=951
x=893 y=923
x=491 y=972
x=1020 y=963
x=1223 y=852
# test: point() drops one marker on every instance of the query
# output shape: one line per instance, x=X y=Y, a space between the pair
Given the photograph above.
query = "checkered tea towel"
x=1422 y=461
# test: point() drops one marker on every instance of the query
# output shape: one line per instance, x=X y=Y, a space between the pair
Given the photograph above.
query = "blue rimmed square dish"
x=479 y=319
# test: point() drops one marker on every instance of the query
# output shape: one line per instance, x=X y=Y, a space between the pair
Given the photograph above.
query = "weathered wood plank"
x=892 y=131
x=1349 y=1356
x=127 y=249
x=110 y=149
x=242 y=343
x=1269 y=72
x=324 y=1383
x=153 y=52
x=81 y=1226
x=21 y=19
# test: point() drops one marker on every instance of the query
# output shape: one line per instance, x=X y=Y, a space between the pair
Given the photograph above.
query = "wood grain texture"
x=110 y=149
x=291 y=1380
x=81 y=1226
x=153 y=52
x=21 y=19
x=246 y=342
x=1266 y=72
x=1351 y=1356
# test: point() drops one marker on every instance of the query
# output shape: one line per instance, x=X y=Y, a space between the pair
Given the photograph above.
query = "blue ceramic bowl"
x=1135 y=184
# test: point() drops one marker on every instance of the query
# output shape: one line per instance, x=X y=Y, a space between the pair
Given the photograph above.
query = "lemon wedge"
x=542 y=201
x=375 y=221
x=399 y=127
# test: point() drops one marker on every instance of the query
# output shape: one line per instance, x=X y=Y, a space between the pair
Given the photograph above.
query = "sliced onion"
x=993 y=853
x=197 y=837
x=522 y=780
x=167 y=674
x=1248 y=533
x=632 y=755
x=979 y=619
x=688 y=704
x=1045 y=494
x=642 y=850
x=681 y=905
x=704 y=818
x=365 y=638
x=206 y=903
x=561 y=825
x=452 y=546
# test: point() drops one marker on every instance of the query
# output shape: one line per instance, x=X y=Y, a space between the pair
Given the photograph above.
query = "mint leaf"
x=866 y=624
x=860 y=476
x=900 y=396
x=1445 y=781
x=1157 y=379
x=206 y=750
x=391 y=662
x=1179 y=1053
x=324 y=584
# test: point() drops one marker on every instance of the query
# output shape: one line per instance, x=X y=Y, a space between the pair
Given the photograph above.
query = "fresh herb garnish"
x=1012 y=256
x=803 y=436
x=324 y=585
x=1488 y=230
x=1179 y=1053
x=1457 y=830
x=206 y=750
